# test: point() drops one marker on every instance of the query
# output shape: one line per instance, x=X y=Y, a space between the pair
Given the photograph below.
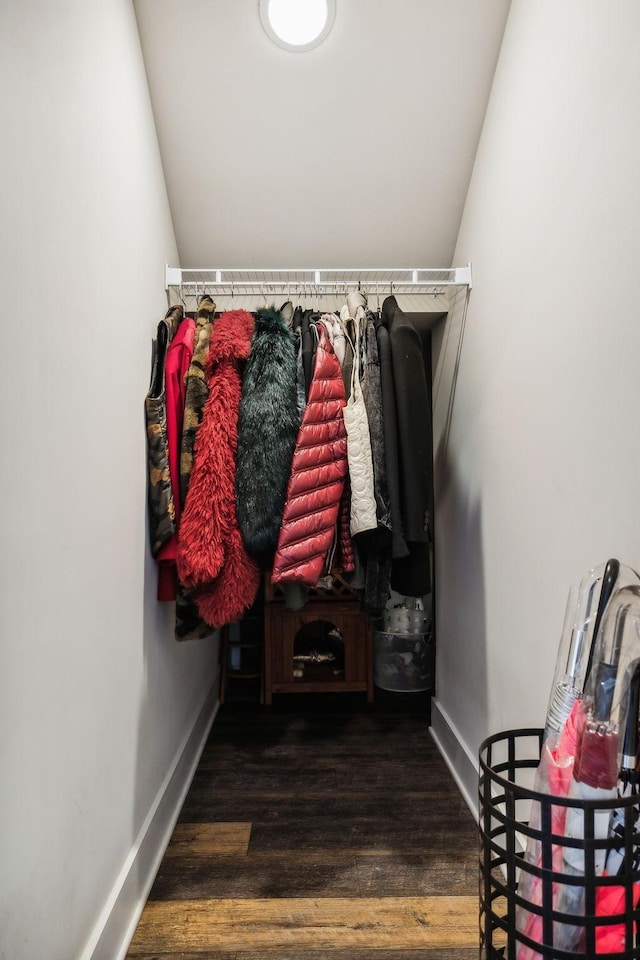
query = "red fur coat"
x=211 y=554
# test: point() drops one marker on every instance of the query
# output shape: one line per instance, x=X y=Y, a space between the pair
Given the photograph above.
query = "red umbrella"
x=595 y=777
x=554 y=776
x=610 y=901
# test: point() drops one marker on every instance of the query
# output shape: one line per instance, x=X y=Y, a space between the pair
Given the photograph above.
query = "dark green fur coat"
x=267 y=429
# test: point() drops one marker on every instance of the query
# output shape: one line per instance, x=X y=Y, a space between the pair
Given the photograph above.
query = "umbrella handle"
x=630 y=743
x=609 y=577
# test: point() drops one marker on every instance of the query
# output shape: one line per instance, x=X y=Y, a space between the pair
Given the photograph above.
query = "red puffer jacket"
x=317 y=478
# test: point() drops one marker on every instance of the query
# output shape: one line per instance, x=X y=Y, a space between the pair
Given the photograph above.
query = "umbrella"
x=628 y=779
x=580 y=629
x=595 y=777
x=562 y=733
x=609 y=902
x=554 y=776
x=595 y=772
x=612 y=900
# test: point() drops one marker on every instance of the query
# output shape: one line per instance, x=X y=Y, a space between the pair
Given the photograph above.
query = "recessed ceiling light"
x=297 y=24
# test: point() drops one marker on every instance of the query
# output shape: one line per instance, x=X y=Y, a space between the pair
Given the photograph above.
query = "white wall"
x=539 y=477
x=96 y=698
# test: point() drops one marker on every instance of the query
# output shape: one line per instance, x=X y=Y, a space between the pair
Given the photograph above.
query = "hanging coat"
x=414 y=424
x=195 y=390
x=189 y=624
x=317 y=476
x=347 y=363
x=301 y=387
x=211 y=554
x=372 y=394
x=178 y=360
x=308 y=348
x=411 y=576
x=335 y=330
x=399 y=547
x=345 y=555
x=363 y=505
x=267 y=429
x=346 y=552
x=377 y=558
x=162 y=520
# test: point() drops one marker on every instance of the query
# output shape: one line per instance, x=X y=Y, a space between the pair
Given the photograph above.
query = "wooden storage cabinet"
x=283 y=626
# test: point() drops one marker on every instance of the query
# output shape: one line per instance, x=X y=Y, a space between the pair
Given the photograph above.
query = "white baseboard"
x=119 y=917
x=462 y=765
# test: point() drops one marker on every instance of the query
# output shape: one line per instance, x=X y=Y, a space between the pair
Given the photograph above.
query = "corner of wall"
x=462 y=766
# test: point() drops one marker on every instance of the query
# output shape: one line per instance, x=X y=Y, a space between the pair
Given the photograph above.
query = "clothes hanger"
x=287 y=301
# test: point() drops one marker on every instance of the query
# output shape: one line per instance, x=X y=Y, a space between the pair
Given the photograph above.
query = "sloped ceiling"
x=355 y=154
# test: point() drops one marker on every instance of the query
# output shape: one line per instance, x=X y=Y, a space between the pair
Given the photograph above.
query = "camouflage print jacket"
x=196 y=391
x=162 y=523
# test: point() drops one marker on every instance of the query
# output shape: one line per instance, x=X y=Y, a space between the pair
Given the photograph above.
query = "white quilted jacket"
x=363 y=504
x=333 y=326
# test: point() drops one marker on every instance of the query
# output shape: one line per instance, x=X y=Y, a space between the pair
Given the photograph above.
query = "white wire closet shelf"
x=296 y=282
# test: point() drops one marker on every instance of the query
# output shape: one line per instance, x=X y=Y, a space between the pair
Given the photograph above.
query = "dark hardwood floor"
x=318 y=828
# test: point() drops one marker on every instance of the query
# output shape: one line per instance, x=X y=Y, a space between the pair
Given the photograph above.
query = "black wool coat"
x=415 y=446
x=268 y=425
x=390 y=428
x=308 y=349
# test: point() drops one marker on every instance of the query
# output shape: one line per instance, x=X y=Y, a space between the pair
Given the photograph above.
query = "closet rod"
x=406 y=280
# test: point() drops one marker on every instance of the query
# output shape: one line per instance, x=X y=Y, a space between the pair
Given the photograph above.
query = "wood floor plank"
x=219 y=794
x=285 y=925
x=297 y=834
x=263 y=778
x=368 y=953
x=358 y=774
x=339 y=813
x=209 y=839
x=315 y=738
x=422 y=875
x=318 y=873
x=332 y=954
x=258 y=876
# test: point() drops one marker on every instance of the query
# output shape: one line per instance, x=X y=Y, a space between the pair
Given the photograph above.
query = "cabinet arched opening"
x=318 y=652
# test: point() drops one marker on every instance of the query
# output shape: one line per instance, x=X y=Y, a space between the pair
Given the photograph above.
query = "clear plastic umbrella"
x=611 y=900
x=628 y=777
x=554 y=776
x=595 y=773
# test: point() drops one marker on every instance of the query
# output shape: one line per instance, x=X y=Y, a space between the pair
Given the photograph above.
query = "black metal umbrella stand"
x=561 y=905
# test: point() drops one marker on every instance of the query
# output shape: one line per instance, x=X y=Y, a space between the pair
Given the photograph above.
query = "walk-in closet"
x=319 y=385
